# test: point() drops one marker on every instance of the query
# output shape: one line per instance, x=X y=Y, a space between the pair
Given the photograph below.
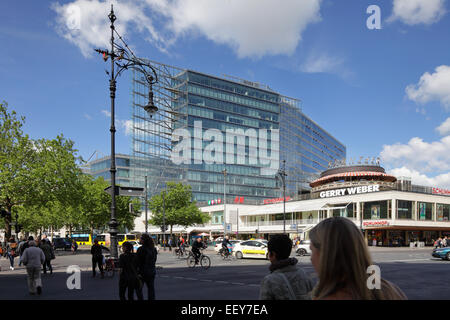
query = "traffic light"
x=130 y=208
x=164 y=229
x=18 y=228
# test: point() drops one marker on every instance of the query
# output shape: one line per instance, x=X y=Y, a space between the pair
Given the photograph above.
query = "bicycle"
x=226 y=254
x=110 y=266
x=180 y=253
x=205 y=261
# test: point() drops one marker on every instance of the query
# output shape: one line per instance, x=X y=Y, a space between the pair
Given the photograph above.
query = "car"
x=62 y=243
x=218 y=245
x=251 y=249
x=303 y=248
x=137 y=245
x=443 y=253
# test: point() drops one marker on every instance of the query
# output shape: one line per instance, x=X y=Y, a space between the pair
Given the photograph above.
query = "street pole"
x=237 y=224
x=284 y=206
x=164 y=219
x=112 y=88
x=125 y=59
x=224 y=200
x=146 y=204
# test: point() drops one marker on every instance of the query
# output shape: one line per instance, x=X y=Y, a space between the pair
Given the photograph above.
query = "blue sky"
x=368 y=88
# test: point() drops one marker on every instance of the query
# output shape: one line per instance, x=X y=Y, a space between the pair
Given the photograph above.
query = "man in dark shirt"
x=225 y=243
x=97 y=257
x=196 y=246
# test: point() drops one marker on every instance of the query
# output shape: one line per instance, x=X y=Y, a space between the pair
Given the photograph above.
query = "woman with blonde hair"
x=340 y=257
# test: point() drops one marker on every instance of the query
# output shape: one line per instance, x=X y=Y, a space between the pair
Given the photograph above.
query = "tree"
x=179 y=207
x=16 y=157
x=95 y=206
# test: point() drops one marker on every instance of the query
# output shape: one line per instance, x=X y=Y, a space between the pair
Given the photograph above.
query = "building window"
x=424 y=211
x=443 y=212
x=404 y=209
x=376 y=210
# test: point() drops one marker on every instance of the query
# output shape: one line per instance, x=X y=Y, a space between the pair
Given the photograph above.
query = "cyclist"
x=225 y=243
x=196 y=246
x=181 y=245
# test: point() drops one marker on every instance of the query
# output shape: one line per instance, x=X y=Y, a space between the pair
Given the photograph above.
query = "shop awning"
x=298 y=206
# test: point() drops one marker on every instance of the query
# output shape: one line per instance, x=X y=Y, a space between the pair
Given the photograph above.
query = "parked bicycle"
x=205 y=261
x=110 y=266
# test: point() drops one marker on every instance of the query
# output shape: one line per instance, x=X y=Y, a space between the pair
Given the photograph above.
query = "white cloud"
x=435 y=86
x=85 y=22
x=253 y=28
x=321 y=64
x=444 y=128
x=442 y=180
x=87 y=116
x=419 y=155
x=413 y=12
x=126 y=125
x=106 y=113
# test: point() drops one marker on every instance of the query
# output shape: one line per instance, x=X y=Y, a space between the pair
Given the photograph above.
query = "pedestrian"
x=49 y=255
x=341 y=258
x=147 y=256
x=33 y=257
x=170 y=243
x=129 y=277
x=11 y=252
x=445 y=242
x=20 y=249
x=286 y=281
x=97 y=257
x=439 y=242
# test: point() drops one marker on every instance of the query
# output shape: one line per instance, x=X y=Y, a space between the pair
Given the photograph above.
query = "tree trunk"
x=7 y=228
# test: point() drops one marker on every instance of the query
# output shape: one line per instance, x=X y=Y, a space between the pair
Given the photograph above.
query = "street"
x=414 y=270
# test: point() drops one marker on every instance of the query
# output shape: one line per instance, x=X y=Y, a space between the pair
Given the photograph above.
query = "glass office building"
x=100 y=168
x=224 y=123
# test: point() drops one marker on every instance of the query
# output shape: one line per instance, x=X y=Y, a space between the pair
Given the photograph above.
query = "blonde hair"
x=344 y=259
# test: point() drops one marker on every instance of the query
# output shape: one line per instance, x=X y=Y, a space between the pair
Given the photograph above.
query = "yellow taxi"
x=251 y=249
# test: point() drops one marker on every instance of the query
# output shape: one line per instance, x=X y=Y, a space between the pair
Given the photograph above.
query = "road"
x=414 y=270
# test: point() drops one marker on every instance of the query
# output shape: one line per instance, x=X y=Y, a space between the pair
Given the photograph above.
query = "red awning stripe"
x=353 y=174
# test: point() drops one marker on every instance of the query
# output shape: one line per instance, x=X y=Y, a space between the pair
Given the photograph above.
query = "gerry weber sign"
x=349 y=191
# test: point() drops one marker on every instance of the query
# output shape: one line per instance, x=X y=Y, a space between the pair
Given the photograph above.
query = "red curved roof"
x=382 y=175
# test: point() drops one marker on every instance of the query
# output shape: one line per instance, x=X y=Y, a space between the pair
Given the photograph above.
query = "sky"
x=380 y=91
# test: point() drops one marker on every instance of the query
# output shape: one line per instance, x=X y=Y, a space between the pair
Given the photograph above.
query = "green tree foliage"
x=16 y=158
x=42 y=182
x=179 y=207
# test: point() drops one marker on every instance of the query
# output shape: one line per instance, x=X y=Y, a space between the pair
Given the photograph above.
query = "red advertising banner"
x=444 y=192
x=276 y=200
x=375 y=223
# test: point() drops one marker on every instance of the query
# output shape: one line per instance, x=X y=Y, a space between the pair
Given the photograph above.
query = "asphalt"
x=418 y=274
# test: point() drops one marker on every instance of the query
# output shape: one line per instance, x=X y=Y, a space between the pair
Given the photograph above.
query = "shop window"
x=404 y=209
x=376 y=210
x=443 y=212
x=424 y=211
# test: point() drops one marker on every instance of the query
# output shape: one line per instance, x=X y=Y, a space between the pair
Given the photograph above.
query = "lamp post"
x=123 y=58
x=282 y=174
x=224 y=201
x=146 y=204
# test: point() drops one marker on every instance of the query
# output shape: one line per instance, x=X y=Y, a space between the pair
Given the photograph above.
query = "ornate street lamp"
x=282 y=175
x=123 y=58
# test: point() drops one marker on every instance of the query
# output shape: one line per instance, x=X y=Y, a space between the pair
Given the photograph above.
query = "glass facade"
x=101 y=167
x=245 y=128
